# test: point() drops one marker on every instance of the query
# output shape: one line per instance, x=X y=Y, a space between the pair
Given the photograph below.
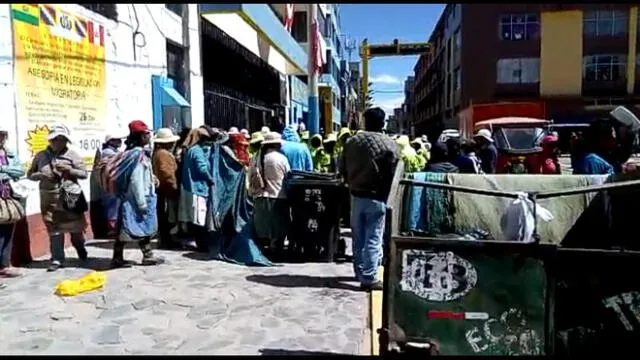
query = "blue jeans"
x=367 y=229
x=56 y=245
x=6 y=241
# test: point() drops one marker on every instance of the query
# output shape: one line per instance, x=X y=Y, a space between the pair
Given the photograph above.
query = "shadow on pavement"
x=291 y=281
x=272 y=352
x=93 y=263
x=195 y=255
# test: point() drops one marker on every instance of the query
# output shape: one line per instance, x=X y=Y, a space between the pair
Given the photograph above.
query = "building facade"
x=330 y=90
x=580 y=59
x=250 y=60
x=408 y=106
x=96 y=69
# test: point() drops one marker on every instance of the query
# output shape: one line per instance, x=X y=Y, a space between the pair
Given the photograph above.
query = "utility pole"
x=349 y=46
x=314 y=104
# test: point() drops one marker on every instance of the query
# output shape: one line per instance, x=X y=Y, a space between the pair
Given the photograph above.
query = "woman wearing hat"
x=266 y=184
x=165 y=168
x=58 y=170
x=135 y=185
x=255 y=142
x=196 y=182
x=10 y=169
x=104 y=206
x=488 y=153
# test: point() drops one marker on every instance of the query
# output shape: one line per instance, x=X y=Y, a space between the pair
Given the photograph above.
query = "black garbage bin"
x=315 y=217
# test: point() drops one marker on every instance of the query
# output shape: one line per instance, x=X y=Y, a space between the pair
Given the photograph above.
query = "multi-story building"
x=580 y=59
x=356 y=99
x=96 y=67
x=252 y=66
x=408 y=106
x=329 y=85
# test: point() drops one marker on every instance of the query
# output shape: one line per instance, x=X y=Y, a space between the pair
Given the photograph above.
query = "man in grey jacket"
x=368 y=164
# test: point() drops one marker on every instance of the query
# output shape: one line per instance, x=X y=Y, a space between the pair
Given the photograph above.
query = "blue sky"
x=381 y=23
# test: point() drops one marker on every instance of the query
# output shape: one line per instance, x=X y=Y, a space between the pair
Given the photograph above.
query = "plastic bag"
x=91 y=281
x=518 y=222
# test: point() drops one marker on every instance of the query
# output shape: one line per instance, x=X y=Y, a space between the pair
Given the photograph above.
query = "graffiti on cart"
x=507 y=335
x=436 y=276
x=623 y=305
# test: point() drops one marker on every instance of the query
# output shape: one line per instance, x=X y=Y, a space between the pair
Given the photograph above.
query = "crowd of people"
x=224 y=193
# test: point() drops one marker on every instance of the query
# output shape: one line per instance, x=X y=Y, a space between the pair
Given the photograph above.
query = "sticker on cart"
x=452 y=315
x=437 y=276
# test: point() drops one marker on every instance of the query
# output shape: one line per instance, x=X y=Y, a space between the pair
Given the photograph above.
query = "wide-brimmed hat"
x=330 y=138
x=164 y=136
x=233 y=130
x=59 y=130
x=485 y=134
x=256 y=137
x=272 y=137
x=265 y=130
x=245 y=132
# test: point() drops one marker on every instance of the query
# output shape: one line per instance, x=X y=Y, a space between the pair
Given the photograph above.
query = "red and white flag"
x=95 y=33
x=288 y=16
x=318 y=47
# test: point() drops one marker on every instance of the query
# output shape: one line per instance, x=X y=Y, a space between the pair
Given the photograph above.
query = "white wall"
x=128 y=80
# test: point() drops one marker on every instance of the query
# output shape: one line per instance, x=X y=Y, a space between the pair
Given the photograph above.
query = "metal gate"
x=224 y=111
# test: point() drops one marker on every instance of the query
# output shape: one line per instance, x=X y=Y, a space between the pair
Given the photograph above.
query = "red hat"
x=138 y=126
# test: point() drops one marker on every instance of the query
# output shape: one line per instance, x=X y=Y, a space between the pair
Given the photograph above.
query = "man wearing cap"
x=329 y=144
x=488 y=153
x=57 y=168
x=368 y=165
x=320 y=158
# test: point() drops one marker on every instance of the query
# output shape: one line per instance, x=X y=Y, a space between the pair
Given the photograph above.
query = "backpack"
x=105 y=171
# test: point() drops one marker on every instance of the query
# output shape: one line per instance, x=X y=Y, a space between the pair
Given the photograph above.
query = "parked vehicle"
x=517 y=140
x=448 y=134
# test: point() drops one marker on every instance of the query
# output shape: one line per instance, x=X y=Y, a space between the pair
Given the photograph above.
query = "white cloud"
x=388 y=104
x=385 y=79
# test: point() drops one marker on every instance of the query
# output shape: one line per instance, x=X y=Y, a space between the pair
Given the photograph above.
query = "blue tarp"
x=232 y=212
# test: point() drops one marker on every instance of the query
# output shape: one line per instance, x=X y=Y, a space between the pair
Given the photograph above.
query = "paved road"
x=187 y=306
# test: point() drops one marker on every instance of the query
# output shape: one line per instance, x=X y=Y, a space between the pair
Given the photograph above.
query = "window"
x=175 y=66
x=322 y=21
x=605 y=23
x=519 y=27
x=604 y=67
x=327 y=68
x=458 y=39
x=457 y=43
x=175 y=8
x=299 y=27
x=328 y=27
x=107 y=10
x=518 y=71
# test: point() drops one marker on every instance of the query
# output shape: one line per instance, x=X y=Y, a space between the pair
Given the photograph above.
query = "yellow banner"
x=60 y=75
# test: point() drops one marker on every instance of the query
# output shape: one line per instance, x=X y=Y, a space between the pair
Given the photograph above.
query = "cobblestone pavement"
x=187 y=306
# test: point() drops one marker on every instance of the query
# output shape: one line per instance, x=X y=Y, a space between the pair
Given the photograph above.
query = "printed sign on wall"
x=59 y=74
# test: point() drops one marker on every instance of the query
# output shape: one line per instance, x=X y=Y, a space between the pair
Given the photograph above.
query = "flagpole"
x=313 y=123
